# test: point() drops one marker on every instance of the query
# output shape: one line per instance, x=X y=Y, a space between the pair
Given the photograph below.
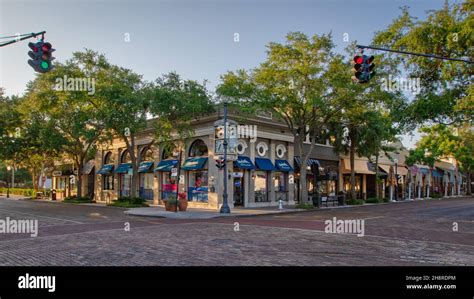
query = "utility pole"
x=225 y=206
x=17 y=38
x=414 y=53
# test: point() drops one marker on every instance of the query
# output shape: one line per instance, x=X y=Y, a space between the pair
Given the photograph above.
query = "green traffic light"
x=44 y=65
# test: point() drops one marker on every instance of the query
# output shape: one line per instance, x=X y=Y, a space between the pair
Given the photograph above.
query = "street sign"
x=57 y=173
x=237 y=174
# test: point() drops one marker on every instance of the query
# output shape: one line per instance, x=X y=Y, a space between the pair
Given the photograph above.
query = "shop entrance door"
x=239 y=191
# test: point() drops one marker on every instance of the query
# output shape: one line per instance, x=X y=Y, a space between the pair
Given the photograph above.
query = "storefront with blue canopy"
x=167 y=180
x=261 y=179
x=280 y=179
x=197 y=172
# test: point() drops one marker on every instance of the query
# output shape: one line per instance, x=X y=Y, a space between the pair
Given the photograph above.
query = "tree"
x=441 y=141
x=363 y=108
x=68 y=109
x=174 y=102
x=292 y=83
x=446 y=86
x=376 y=137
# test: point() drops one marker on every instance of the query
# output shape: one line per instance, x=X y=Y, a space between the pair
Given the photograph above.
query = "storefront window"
x=108 y=182
x=347 y=184
x=197 y=172
x=198 y=186
x=146 y=178
x=279 y=180
x=125 y=178
x=168 y=185
x=260 y=186
x=108 y=179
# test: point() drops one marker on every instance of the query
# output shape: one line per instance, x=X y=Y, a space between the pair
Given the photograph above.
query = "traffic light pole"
x=16 y=39
x=225 y=206
x=414 y=54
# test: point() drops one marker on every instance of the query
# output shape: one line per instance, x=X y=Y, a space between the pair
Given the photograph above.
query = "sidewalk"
x=160 y=212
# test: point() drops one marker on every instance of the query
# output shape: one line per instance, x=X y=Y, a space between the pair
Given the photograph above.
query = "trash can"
x=53 y=194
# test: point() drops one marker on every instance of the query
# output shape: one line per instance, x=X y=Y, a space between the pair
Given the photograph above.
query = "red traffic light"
x=370 y=59
x=358 y=59
x=46 y=47
x=33 y=47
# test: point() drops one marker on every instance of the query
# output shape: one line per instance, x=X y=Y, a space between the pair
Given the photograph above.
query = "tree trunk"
x=468 y=184
x=133 y=156
x=79 y=177
x=352 y=160
x=34 y=178
x=377 y=176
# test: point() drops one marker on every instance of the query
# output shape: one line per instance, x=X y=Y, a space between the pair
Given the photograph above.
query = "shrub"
x=128 y=202
x=374 y=200
x=305 y=206
x=171 y=200
x=74 y=199
x=19 y=191
x=355 y=202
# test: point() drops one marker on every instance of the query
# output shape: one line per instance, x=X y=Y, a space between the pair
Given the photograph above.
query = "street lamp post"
x=225 y=206
x=8 y=183
x=396 y=179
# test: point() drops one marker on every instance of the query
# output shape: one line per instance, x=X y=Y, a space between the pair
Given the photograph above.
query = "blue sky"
x=193 y=38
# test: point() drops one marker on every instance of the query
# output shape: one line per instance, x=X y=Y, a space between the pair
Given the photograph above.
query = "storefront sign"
x=174 y=171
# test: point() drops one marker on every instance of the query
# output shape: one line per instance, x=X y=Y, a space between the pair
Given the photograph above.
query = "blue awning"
x=166 y=165
x=283 y=165
x=264 y=164
x=244 y=162
x=123 y=168
x=145 y=167
x=194 y=163
x=106 y=169
x=424 y=170
x=438 y=173
x=308 y=163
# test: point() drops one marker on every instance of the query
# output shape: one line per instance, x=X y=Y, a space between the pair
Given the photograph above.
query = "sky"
x=194 y=38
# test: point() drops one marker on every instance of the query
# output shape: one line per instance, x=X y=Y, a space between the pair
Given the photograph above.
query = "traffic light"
x=363 y=68
x=41 y=56
x=220 y=163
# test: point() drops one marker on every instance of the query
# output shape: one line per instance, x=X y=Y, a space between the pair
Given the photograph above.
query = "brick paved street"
x=412 y=233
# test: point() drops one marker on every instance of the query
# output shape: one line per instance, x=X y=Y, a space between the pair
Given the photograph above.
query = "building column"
x=340 y=181
x=364 y=186
x=291 y=187
x=251 y=193
x=271 y=189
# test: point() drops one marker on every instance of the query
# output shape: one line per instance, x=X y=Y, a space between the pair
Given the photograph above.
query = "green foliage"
x=446 y=85
x=374 y=200
x=305 y=206
x=19 y=191
x=129 y=202
x=78 y=200
x=171 y=200
x=355 y=202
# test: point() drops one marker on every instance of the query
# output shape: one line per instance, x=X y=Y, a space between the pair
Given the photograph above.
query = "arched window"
x=126 y=157
x=198 y=149
x=146 y=154
x=109 y=158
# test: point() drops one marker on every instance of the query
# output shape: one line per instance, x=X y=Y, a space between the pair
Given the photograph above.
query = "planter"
x=183 y=205
x=170 y=207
